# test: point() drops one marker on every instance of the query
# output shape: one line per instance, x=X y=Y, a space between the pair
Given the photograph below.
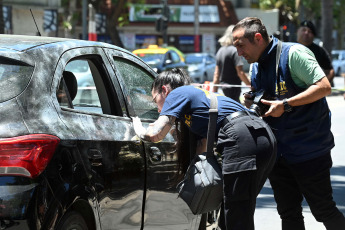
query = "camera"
x=258 y=107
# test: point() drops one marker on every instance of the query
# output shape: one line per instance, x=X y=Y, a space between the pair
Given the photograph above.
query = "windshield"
x=14 y=77
x=152 y=59
x=191 y=59
x=335 y=56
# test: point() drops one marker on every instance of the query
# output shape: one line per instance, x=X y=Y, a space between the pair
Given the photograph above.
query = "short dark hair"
x=252 y=25
x=175 y=77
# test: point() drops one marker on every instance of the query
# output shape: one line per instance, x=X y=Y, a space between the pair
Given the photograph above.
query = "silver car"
x=338 y=61
x=200 y=66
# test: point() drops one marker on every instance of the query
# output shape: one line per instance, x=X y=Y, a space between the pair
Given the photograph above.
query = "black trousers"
x=248 y=148
x=311 y=180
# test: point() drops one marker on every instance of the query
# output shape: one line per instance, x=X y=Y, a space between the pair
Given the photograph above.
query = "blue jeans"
x=311 y=180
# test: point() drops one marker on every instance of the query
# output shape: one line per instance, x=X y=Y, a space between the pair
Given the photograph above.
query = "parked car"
x=160 y=59
x=201 y=66
x=69 y=156
x=338 y=61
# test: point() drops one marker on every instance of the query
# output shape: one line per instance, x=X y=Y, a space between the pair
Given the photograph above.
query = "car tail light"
x=26 y=155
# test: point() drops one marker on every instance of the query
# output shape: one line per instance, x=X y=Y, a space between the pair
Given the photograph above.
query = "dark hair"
x=252 y=25
x=175 y=77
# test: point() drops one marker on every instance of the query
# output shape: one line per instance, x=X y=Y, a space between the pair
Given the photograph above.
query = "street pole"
x=196 y=26
x=84 y=19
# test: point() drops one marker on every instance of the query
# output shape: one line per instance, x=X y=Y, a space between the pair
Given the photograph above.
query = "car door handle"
x=155 y=155
x=95 y=157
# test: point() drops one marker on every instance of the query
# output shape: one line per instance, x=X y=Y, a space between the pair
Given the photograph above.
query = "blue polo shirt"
x=191 y=105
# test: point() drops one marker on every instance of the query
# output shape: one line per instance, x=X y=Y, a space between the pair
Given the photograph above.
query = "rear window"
x=14 y=77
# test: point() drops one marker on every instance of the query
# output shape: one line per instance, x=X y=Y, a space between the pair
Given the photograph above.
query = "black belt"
x=239 y=114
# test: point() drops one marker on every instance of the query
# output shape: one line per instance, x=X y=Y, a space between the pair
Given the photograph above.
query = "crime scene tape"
x=207 y=85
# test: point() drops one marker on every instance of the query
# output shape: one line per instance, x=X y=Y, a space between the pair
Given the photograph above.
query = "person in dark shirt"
x=305 y=35
x=246 y=142
x=229 y=68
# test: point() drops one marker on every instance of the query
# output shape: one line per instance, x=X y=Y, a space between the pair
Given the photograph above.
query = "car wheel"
x=72 y=221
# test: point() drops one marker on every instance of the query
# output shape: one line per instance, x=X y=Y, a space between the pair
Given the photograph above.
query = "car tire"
x=72 y=221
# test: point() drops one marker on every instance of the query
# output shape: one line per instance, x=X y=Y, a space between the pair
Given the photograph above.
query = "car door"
x=163 y=208
x=94 y=111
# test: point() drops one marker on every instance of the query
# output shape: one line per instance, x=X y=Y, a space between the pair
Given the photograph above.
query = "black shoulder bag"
x=202 y=186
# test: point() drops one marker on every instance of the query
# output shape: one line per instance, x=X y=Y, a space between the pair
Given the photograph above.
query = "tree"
x=327 y=24
x=2 y=25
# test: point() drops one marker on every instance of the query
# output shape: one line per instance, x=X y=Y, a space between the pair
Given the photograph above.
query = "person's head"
x=167 y=81
x=226 y=40
x=306 y=33
x=250 y=38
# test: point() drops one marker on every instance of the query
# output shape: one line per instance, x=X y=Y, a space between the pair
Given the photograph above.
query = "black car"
x=69 y=157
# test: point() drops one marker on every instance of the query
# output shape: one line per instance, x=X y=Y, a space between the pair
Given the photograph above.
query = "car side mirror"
x=167 y=62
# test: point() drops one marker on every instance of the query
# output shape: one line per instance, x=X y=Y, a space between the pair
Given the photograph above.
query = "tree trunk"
x=327 y=24
x=2 y=25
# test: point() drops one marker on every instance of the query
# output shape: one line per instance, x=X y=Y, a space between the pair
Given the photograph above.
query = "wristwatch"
x=287 y=107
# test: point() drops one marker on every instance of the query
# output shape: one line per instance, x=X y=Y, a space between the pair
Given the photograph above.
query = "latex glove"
x=138 y=127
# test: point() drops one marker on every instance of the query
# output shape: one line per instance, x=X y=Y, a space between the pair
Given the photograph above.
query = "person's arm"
x=242 y=75
x=315 y=92
x=216 y=79
x=156 y=131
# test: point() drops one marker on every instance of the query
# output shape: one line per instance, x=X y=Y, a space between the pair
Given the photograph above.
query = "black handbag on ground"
x=202 y=186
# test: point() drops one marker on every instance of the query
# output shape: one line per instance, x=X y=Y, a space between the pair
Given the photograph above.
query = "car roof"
x=23 y=43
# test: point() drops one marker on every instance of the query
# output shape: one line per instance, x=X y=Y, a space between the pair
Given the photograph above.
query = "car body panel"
x=338 y=61
x=99 y=169
x=201 y=66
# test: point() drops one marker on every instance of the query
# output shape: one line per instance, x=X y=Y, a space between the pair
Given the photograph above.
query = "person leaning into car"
x=246 y=142
x=300 y=119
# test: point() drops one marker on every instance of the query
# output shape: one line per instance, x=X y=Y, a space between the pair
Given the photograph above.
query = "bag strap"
x=212 y=123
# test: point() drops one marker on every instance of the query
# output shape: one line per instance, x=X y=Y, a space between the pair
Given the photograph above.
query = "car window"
x=82 y=88
x=138 y=83
x=14 y=77
x=175 y=58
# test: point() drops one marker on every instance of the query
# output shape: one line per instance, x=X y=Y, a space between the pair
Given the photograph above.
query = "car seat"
x=71 y=83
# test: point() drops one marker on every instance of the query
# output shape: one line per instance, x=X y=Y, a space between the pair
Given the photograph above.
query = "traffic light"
x=161 y=24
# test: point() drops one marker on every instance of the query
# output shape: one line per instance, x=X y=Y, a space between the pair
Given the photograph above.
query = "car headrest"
x=71 y=83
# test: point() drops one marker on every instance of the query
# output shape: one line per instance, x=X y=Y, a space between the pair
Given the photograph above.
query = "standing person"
x=305 y=35
x=301 y=121
x=229 y=68
x=245 y=141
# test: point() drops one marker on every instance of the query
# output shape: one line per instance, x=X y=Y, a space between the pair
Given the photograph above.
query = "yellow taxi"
x=160 y=58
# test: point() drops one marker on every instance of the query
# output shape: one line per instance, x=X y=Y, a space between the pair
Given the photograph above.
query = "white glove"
x=138 y=127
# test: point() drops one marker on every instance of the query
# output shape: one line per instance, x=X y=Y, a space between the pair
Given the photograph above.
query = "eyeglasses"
x=154 y=98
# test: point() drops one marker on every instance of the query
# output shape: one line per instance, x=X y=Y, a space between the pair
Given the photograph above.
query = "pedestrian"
x=305 y=35
x=300 y=119
x=246 y=142
x=229 y=68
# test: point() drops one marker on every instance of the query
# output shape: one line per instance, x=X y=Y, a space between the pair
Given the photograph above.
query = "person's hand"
x=138 y=127
x=276 y=108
